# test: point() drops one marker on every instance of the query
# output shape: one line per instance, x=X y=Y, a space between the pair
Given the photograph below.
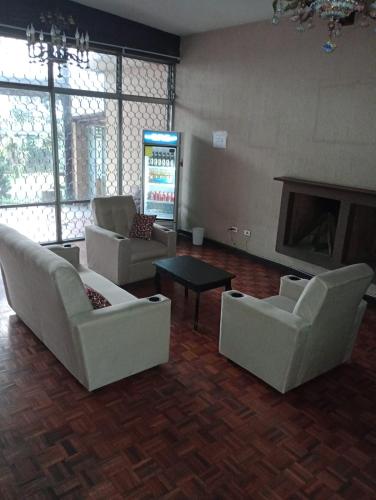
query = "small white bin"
x=198 y=235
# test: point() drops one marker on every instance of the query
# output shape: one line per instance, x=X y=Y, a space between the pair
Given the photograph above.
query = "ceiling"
x=185 y=17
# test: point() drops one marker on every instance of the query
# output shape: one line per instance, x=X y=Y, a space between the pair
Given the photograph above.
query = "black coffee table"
x=193 y=274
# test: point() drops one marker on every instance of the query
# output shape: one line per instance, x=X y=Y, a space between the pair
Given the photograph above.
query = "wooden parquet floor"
x=198 y=427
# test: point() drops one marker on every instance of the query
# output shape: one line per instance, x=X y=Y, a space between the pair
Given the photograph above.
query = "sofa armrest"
x=262 y=338
x=118 y=341
x=292 y=286
x=108 y=253
x=68 y=251
x=166 y=236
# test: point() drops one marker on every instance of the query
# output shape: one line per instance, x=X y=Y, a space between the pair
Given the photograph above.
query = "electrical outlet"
x=247 y=233
x=233 y=229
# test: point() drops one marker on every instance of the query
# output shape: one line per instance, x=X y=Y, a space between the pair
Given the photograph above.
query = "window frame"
x=119 y=95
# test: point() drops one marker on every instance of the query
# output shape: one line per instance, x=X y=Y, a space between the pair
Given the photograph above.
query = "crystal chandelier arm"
x=32 y=34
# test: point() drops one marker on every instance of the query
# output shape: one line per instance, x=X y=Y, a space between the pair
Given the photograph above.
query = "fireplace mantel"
x=326 y=224
x=333 y=187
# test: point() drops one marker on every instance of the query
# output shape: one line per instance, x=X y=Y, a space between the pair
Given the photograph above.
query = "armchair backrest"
x=114 y=213
x=330 y=303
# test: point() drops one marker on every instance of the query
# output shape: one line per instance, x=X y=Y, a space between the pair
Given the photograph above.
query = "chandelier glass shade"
x=50 y=42
x=337 y=12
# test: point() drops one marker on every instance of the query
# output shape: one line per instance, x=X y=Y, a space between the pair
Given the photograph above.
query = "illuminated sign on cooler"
x=165 y=138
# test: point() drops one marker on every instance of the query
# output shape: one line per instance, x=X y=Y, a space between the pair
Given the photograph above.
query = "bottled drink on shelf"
x=163 y=160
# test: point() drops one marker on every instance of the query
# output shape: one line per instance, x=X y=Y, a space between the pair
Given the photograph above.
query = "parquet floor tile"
x=198 y=427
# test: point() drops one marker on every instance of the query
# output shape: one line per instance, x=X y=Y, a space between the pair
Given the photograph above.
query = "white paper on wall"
x=220 y=139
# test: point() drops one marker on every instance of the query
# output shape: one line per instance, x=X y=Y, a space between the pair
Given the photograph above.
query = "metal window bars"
x=63 y=141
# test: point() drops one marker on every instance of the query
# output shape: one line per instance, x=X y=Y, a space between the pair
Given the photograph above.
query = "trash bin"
x=198 y=235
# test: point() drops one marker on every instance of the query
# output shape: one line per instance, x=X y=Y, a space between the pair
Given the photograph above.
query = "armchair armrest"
x=68 y=251
x=262 y=338
x=118 y=341
x=108 y=253
x=166 y=236
x=292 y=286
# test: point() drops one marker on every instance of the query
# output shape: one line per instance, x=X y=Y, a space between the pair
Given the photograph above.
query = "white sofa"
x=45 y=287
x=111 y=253
x=306 y=330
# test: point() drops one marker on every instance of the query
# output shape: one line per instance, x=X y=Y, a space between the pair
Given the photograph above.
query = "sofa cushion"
x=145 y=250
x=142 y=226
x=97 y=300
x=281 y=302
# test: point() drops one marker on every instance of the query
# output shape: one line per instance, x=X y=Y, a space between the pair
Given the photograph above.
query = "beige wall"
x=289 y=109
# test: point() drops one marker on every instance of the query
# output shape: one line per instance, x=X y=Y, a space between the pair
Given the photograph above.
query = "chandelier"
x=338 y=13
x=49 y=43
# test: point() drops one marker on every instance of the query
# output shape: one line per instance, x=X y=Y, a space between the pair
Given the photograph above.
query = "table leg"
x=157 y=280
x=186 y=292
x=228 y=285
x=197 y=307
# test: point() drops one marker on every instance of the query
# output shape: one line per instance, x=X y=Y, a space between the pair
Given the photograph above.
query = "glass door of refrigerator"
x=159 y=181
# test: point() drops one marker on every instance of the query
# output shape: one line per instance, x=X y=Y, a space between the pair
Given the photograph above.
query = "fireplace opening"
x=312 y=223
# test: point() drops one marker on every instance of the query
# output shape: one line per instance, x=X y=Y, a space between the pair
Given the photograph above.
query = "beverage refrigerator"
x=160 y=172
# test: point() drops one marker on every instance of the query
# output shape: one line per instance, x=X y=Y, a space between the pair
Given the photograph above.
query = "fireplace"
x=327 y=225
x=312 y=223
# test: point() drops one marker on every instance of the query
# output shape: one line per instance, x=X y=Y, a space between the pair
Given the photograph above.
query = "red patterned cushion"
x=142 y=226
x=97 y=300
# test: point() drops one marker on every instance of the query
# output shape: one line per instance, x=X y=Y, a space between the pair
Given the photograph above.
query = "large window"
x=65 y=140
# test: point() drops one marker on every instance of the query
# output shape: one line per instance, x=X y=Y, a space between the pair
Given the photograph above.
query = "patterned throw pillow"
x=97 y=300
x=142 y=226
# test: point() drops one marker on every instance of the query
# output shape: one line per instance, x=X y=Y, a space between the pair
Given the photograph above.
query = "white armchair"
x=111 y=253
x=306 y=330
